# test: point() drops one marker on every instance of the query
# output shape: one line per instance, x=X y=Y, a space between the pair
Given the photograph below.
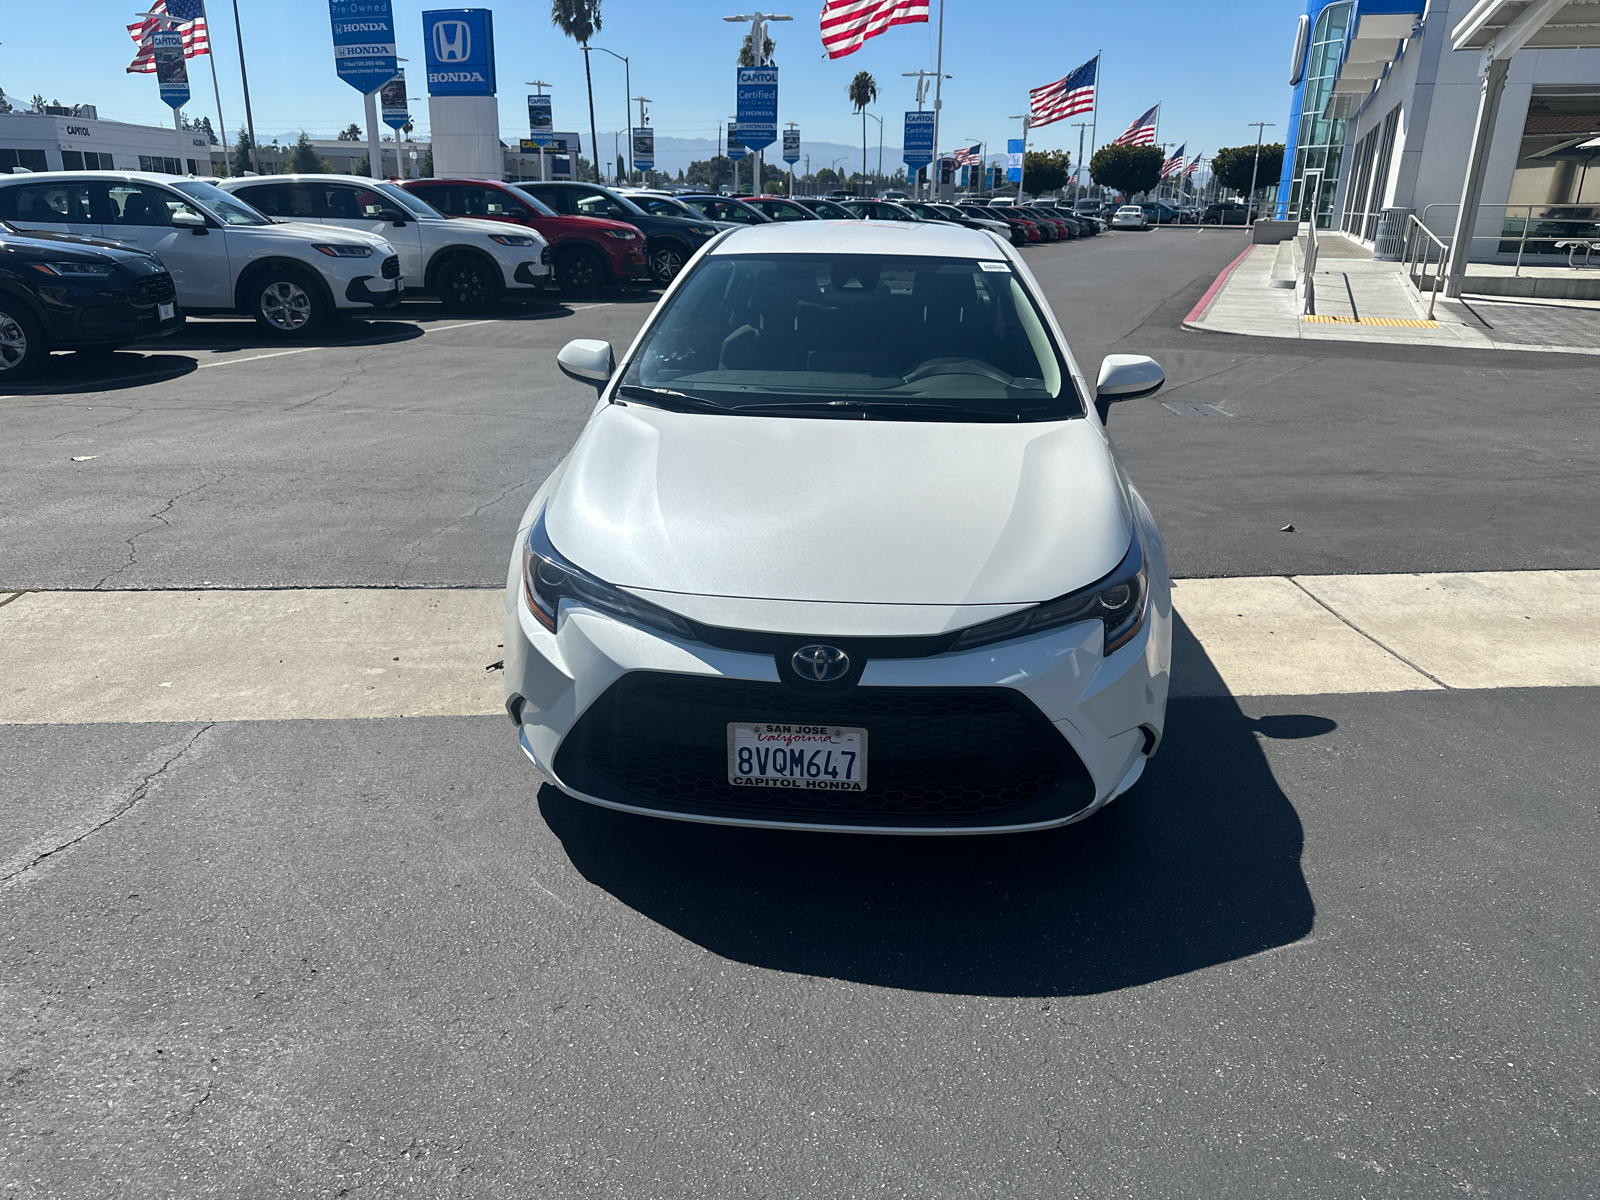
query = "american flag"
x=848 y=23
x=1174 y=164
x=971 y=156
x=1193 y=167
x=1142 y=132
x=190 y=17
x=1065 y=97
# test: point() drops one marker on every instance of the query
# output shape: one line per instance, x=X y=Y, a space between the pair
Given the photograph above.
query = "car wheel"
x=467 y=284
x=580 y=273
x=287 y=303
x=667 y=261
x=23 y=348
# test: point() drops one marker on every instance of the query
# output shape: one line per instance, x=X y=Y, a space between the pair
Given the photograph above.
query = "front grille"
x=935 y=756
x=391 y=267
x=152 y=289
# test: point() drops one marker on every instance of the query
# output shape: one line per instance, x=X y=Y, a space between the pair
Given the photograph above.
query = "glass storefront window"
x=1320 y=140
x=1557 y=175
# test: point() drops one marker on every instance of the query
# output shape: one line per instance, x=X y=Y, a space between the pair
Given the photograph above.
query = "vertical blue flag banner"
x=791 y=145
x=758 y=106
x=1014 y=159
x=644 y=148
x=736 y=149
x=392 y=100
x=918 y=140
x=541 y=121
x=363 y=43
x=459 y=46
x=172 y=73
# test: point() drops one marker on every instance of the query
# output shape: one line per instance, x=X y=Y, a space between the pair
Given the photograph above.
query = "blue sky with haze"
x=1214 y=66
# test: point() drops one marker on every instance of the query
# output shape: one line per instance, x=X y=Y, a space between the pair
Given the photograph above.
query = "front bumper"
x=1051 y=695
x=376 y=292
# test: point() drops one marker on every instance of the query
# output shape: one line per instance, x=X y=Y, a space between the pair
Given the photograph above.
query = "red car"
x=586 y=252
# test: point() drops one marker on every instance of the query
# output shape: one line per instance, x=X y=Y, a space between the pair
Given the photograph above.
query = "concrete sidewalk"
x=1359 y=300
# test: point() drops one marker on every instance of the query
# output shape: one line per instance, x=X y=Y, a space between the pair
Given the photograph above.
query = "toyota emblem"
x=818 y=663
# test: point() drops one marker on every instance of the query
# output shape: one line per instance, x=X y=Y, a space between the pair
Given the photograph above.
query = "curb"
x=1198 y=311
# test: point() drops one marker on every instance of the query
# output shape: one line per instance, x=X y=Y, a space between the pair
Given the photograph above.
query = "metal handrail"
x=1527 y=220
x=1310 y=269
x=1422 y=247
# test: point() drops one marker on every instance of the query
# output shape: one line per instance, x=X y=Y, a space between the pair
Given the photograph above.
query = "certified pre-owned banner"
x=644 y=148
x=758 y=106
x=363 y=43
x=918 y=140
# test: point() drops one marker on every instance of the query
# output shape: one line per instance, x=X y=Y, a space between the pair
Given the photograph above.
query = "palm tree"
x=747 y=56
x=863 y=90
x=580 y=21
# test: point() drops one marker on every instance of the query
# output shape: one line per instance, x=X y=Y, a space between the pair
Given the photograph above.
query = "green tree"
x=241 y=153
x=304 y=159
x=710 y=173
x=1233 y=165
x=580 y=21
x=827 y=178
x=5 y=105
x=350 y=133
x=425 y=164
x=1126 y=169
x=1045 y=171
x=747 y=57
x=863 y=90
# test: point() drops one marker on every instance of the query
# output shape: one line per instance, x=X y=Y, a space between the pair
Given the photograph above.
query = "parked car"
x=59 y=291
x=1081 y=226
x=1049 y=229
x=726 y=210
x=957 y=615
x=586 y=253
x=1023 y=231
x=1159 y=212
x=1227 y=212
x=670 y=241
x=661 y=205
x=780 y=208
x=878 y=210
x=949 y=213
x=223 y=255
x=468 y=264
x=1130 y=216
x=828 y=210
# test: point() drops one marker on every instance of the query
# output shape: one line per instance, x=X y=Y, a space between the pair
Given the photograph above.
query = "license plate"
x=166 y=311
x=829 y=758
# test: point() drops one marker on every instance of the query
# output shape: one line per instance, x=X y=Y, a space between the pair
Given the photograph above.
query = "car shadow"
x=1198 y=865
x=69 y=373
x=229 y=335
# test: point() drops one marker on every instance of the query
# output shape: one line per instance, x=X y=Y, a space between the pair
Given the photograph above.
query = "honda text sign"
x=460 y=50
x=758 y=106
x=918 y=140
x=644 y=148
x=171 y=71
x=363 y=43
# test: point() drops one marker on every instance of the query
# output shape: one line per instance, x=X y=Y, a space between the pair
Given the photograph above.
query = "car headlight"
x=512 y=239
x=548 y=579
x=622 y=235
x=1119 y=602
x=344 y=250
x=80 y=270
x=706 y=230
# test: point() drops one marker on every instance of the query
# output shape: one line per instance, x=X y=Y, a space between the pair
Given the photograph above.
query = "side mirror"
x=193 y=222
x=588 y=361
x=1125 y=377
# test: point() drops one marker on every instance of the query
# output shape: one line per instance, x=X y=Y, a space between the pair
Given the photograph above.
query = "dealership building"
x=75 y=139
x=1388 y=110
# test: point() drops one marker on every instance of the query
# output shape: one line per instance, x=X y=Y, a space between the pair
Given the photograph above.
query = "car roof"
x=933 y=239
x=319 y=177
x=80 y=176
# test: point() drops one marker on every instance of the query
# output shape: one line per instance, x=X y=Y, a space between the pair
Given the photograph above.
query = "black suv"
x=59 y=291
x=669 y=241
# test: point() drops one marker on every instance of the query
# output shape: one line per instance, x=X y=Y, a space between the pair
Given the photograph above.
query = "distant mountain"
x=675 y=154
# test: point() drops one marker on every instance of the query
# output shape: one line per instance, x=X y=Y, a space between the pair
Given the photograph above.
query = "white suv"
x=223 y=255
x=469 y=264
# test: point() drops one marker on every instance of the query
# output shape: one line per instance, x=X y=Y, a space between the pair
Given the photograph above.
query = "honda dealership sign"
x=171 y=71
x=459 y=43
x=392 y=99
x=757 y=106
x=644 y=148
x=363 y=43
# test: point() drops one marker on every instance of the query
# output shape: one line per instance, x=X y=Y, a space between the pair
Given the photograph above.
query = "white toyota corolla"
x=844 y=545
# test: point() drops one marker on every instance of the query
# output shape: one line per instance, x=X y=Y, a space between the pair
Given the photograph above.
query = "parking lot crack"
x=159 y=515
x=1389 y=650
x=361 y=369
x=444 y=529
x=140 y=790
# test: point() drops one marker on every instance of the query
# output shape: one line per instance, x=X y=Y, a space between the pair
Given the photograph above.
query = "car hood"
x=46 y=241
x=882 y=512
x=487 y=228
x=307 y=232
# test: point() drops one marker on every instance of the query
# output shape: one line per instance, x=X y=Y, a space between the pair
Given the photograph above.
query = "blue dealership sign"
x=1014 y=159
x=363 y=43
x=459 y=43
x=758 y=106
x=172 y=73
x=736 y=149
x=791 y=145
x=918 y=140
x=541 y=120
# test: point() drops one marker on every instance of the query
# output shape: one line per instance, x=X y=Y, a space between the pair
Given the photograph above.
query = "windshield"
x=408 y=200
x=539 y=207
x=627 y=204
x=854 y=336
x=230 y=210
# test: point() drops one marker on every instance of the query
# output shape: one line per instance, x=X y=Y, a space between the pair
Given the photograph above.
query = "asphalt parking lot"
x=1339 y=941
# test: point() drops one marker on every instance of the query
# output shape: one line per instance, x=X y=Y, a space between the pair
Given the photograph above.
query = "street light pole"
x=627 y=91
x=1077 y=173
x=544 y=174
x=1261 y=128
x=758 y=49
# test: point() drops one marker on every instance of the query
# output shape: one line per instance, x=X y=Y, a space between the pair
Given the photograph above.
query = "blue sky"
x=1215 y=66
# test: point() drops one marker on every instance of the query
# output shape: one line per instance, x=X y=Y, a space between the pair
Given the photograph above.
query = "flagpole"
x=1094 y=115
x=253 y=158
x=216 y=90
x=938 y=104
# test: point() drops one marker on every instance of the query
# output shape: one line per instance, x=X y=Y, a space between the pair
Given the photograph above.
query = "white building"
x=53 y=141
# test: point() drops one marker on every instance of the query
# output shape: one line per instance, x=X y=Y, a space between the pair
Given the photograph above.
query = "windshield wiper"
x=898 y=408
x=669 y=400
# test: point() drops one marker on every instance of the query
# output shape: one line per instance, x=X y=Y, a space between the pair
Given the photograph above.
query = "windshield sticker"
x=994 y=266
